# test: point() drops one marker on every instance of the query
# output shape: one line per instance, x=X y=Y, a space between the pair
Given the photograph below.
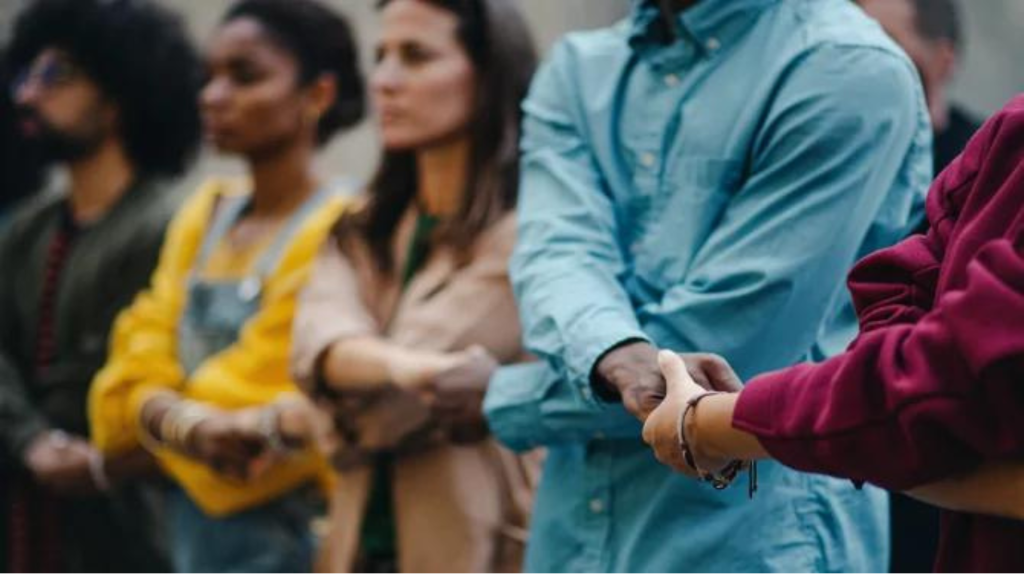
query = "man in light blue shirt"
x=700 y=178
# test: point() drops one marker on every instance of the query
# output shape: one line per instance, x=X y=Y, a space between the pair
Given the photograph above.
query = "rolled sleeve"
x=330 y=308
x=567 y=266
x=530 y=405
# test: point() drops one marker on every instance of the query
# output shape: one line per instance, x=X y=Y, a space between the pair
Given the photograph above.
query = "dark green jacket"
x=110 y=261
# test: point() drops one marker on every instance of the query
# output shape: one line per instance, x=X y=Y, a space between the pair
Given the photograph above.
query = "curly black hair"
x=322 y=42
x=140 y=56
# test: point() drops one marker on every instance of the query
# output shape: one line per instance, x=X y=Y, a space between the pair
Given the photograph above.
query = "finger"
x=724 y=378
x=677 y=378
x=648 y=432
x=635 y=406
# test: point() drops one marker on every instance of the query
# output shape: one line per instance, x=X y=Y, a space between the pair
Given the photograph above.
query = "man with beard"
x=107 y=89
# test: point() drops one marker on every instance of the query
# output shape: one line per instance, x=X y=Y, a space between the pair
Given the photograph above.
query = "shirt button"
x=597 y=506
x=713 y=44
x=671 y=80
x=648 y=160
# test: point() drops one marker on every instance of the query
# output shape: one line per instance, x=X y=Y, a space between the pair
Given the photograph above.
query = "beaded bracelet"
x=723 y=478
x=270 y=428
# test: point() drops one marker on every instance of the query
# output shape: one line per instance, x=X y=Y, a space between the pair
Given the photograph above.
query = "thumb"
x=677 y=378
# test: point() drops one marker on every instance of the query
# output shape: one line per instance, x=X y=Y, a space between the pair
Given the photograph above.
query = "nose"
x=387 y=75
x=215 y=93
x=25 y=92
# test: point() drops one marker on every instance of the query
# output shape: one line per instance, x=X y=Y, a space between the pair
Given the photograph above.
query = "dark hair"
x=939 y=20
x=140 y=57
x=498 y=42
x=21 y=168
x=322 y=42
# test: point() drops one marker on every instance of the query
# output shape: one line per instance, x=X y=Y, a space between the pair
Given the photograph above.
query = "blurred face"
x=934 y=59
x=252 y=103
x=423 y=81
x=60 y=109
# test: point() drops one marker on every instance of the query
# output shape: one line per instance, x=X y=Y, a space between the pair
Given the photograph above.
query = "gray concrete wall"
x=355 y=153
x=991 y=73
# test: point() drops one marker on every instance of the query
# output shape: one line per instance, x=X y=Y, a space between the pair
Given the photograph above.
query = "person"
x=927 y=398
x=82 y=83
x=409 y=308
x=931 y=33
x=698 y=178
x=198 y=365
x=22 y=171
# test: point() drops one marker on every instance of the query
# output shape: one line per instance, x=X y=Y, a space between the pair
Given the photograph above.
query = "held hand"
x=61 y=463
x=456 y=395
x=712 y=372
x=661 y=430
x=301 y=423
x=631 y=372
x=230 y=442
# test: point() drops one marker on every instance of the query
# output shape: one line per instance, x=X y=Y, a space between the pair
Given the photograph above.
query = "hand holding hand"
x=456 y=396
x=631 y=373
x=230 y=442
x=60 y=462
x=662 y=427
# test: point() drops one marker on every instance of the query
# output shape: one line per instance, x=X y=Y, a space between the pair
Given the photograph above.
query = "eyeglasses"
x=47 y=72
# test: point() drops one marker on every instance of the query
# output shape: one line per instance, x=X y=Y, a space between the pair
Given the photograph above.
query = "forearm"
x=711 y=435
x=995 y=489
x=363 y=363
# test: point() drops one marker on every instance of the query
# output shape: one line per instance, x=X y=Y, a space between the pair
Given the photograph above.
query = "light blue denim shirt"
x=706 y=195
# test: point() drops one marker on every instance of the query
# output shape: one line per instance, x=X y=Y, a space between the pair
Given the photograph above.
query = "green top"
x=378 y=536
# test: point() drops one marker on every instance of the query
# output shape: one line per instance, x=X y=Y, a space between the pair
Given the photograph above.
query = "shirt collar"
x=704 y=29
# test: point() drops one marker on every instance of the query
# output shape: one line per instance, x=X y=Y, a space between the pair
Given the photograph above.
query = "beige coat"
x=457 y=508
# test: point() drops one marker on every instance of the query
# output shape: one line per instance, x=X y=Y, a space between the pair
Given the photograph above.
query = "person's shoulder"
x=30 y=216
x=839 y=27
x=584 y=52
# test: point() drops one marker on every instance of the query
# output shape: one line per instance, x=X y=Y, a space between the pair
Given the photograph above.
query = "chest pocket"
x=691 y=200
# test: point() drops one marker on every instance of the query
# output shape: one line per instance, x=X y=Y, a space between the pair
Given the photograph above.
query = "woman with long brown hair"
x=409 y=309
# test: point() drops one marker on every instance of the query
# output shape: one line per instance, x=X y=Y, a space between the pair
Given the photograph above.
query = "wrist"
x=621 y=365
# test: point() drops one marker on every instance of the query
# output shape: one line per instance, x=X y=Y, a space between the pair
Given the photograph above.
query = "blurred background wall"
x=993 y=69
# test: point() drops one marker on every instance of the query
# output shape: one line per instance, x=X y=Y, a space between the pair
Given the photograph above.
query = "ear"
x=946 y=60
x=111 y=115
x=321 y=94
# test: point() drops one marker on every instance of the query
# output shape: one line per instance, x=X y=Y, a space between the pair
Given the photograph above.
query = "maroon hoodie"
x=934 y=384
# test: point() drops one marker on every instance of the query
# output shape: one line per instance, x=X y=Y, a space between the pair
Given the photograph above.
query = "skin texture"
x=423 y=82
x=252 y=104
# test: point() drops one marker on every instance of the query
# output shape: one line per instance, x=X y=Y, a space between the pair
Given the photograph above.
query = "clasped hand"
x=656 y=387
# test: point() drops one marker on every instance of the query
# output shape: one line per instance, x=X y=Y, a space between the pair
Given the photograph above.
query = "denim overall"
x=273 y=537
